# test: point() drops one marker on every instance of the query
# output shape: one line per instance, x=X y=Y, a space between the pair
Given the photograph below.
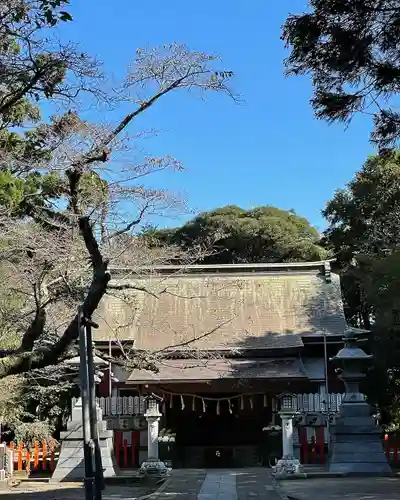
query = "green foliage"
x=262 y=234
x=34 y=405
x=11 y=301
x=364 y=217
x=33 y=67
x=364 y=222
x=44 y=12
x=51 y=71
x=47 y=400
x=351 y=50
x=94 y=191
x=11 y=394
x=52 y=13
x=364 y=232
x=11 y=191
x=17 y=194
x=18 y=115
x=382 y=285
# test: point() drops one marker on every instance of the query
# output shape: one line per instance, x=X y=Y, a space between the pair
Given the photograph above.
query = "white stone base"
x=71 y=461
x=288 y=466
x=153 y=467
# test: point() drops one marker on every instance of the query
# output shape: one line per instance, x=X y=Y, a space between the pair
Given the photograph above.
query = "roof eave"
x=199 y=268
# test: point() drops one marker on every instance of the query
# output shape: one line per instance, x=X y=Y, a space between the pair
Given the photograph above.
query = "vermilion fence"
x=127 y=450
x=392 y=445
x=41 y=457
x=313 y=449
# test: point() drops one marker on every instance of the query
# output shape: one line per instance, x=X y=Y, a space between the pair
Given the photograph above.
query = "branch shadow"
x=317 y=311
x=343 y=488
x=66 y=492
x=53 y=494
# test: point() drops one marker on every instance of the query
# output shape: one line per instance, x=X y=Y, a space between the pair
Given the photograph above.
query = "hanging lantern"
x=194 y=403
x=152 y=402
x=182 y=403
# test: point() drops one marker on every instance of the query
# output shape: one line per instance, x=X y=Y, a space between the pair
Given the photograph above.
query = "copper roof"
x=223 y=307
x=185 y=370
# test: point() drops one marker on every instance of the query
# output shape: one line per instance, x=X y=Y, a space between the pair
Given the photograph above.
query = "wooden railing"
x=135 y=405
x=120 y=406
x=317 y=403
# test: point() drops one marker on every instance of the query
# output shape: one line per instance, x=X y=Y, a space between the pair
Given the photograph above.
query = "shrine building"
x=220 y=345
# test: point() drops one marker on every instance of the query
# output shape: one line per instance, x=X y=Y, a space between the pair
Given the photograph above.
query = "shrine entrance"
x=220 y=432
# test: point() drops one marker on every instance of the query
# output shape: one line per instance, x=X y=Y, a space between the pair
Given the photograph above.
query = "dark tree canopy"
x=69 y=192
x=364 y=222
x=262 y=234
x=351 y=49
x=363 y=231
x=364 y=217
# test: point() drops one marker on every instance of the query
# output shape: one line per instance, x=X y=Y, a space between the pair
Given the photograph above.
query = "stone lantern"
x=351 y=363
x=356 y=439
x=153 y=465
x=288 y=464
x=71 y=459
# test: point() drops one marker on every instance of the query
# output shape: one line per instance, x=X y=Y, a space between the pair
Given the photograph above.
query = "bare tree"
x=35 y=65
x=58 y=255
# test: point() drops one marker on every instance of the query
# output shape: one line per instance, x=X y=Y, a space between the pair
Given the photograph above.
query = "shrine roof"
x=226 y=307
x=190 y=370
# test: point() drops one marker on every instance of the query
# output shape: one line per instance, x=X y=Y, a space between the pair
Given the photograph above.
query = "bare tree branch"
x=93 y=188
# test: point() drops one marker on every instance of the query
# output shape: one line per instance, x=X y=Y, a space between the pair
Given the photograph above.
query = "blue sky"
x=267 y=151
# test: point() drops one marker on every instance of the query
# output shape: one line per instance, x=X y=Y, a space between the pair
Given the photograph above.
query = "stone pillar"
x=70 y=465
x=287 y=435
x=153 y=466
x=296 y=443
x=288 y=464
x=152 y=435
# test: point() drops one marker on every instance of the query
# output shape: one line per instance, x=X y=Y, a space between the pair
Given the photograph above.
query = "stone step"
x=372 y=458
x=361 y=448
x=350 y=428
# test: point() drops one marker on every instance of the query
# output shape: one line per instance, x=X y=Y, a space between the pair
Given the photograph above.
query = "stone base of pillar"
x=356 y=442
x=154 y=467
x=288 y=466
x=296 y=451
x=70 y=464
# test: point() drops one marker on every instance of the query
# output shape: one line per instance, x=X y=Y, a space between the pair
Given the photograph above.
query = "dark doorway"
x=219 y=435
x=219 y=457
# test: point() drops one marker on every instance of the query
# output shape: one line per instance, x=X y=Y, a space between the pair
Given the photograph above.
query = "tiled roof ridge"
x=252 y=310
x=323 y=266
